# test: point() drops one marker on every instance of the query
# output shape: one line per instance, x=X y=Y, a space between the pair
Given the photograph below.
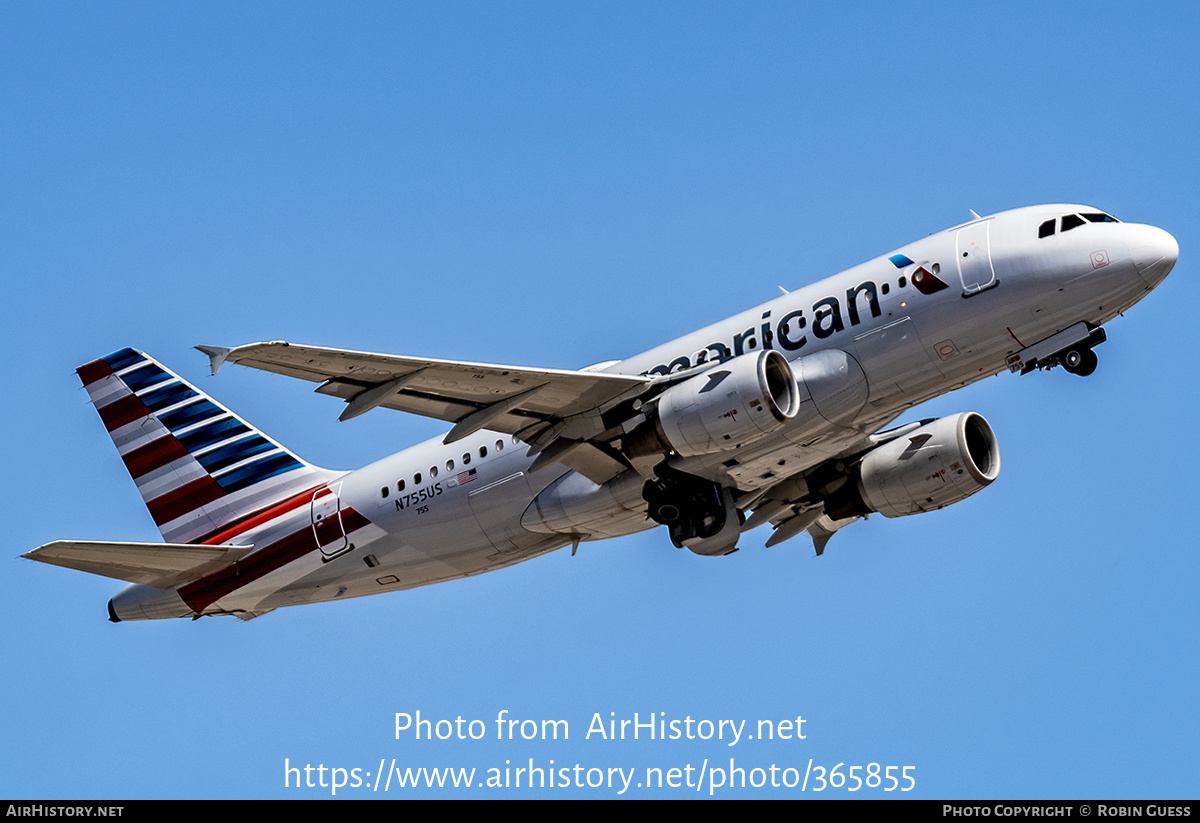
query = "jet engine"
x=734 y=403
x=940 y=463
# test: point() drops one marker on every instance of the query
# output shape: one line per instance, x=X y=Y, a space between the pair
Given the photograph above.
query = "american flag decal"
x=466 y=477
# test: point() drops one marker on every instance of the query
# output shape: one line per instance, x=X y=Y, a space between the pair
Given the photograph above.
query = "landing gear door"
x=975 y=258
x=328 y=530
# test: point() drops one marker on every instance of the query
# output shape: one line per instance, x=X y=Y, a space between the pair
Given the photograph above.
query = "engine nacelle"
x=941 y=463
x=731 y=404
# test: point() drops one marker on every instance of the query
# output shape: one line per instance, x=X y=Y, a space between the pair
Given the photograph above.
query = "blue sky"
x=555 y=185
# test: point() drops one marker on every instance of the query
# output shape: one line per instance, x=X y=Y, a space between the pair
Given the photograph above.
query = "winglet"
x=216 y=356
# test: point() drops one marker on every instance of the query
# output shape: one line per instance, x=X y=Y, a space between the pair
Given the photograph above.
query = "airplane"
x=776 y=415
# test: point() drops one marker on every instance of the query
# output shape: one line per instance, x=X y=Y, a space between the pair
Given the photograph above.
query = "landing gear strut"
x=1071 y=348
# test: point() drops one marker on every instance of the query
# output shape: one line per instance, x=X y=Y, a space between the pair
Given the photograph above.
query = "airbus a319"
x=777 y=415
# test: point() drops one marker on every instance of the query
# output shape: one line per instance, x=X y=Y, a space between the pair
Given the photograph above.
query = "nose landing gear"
x=1071 y=348
x=1079 y=361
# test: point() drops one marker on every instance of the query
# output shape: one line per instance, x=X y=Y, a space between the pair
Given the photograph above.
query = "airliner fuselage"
x=772 y=415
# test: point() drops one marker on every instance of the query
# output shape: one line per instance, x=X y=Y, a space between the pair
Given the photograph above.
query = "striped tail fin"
x=198 y=466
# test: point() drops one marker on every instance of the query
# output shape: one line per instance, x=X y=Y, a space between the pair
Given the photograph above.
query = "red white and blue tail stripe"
x=198 y=466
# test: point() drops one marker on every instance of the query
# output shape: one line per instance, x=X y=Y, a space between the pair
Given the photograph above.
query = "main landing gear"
x=699 y=514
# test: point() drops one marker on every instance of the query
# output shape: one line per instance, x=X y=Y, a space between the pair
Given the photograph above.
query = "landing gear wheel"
x=1080 y=361
x=1089 y=363
x=693 y=510
x=667 y=513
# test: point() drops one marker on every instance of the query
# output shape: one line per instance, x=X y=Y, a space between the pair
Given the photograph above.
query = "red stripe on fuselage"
x=153 y=455
x=353 y=521
x=202 y=593
x=121 y=411
x=250 y=521
x=186 y=498
x=89 y=373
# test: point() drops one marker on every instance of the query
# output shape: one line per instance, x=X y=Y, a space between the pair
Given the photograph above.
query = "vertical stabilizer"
x=198 y=466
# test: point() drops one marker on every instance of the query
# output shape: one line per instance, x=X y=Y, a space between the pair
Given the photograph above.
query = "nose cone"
x=1154 y=252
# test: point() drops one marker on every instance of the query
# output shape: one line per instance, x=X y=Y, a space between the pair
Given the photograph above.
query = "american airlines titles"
x=790 y=331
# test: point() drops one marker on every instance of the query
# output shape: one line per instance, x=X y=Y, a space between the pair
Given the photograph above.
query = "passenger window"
x=449 y=465
x=399 y=485
x=483 y=451
x=499 y=445
x=1071 y=221
x=417 y=479
x=1046 y=229
x=383 y=492
x=466 y=458
x=432 y=472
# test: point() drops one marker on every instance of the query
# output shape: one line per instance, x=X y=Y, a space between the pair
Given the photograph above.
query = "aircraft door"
x=975 y=258
x=329 y=531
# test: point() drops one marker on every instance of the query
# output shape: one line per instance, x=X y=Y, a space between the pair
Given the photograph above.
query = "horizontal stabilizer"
x=161 y=565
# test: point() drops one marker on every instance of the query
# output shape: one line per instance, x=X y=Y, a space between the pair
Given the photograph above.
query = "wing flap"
x=161 y=565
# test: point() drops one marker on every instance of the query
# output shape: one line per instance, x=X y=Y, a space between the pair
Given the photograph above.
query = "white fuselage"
x=438 y=512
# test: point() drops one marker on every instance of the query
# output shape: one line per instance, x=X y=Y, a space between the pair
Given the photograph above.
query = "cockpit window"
x=1071 y=221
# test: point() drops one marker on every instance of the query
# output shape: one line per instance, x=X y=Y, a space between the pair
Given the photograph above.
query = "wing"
x=794 y=505
x=792 y=508
x=559 y=413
